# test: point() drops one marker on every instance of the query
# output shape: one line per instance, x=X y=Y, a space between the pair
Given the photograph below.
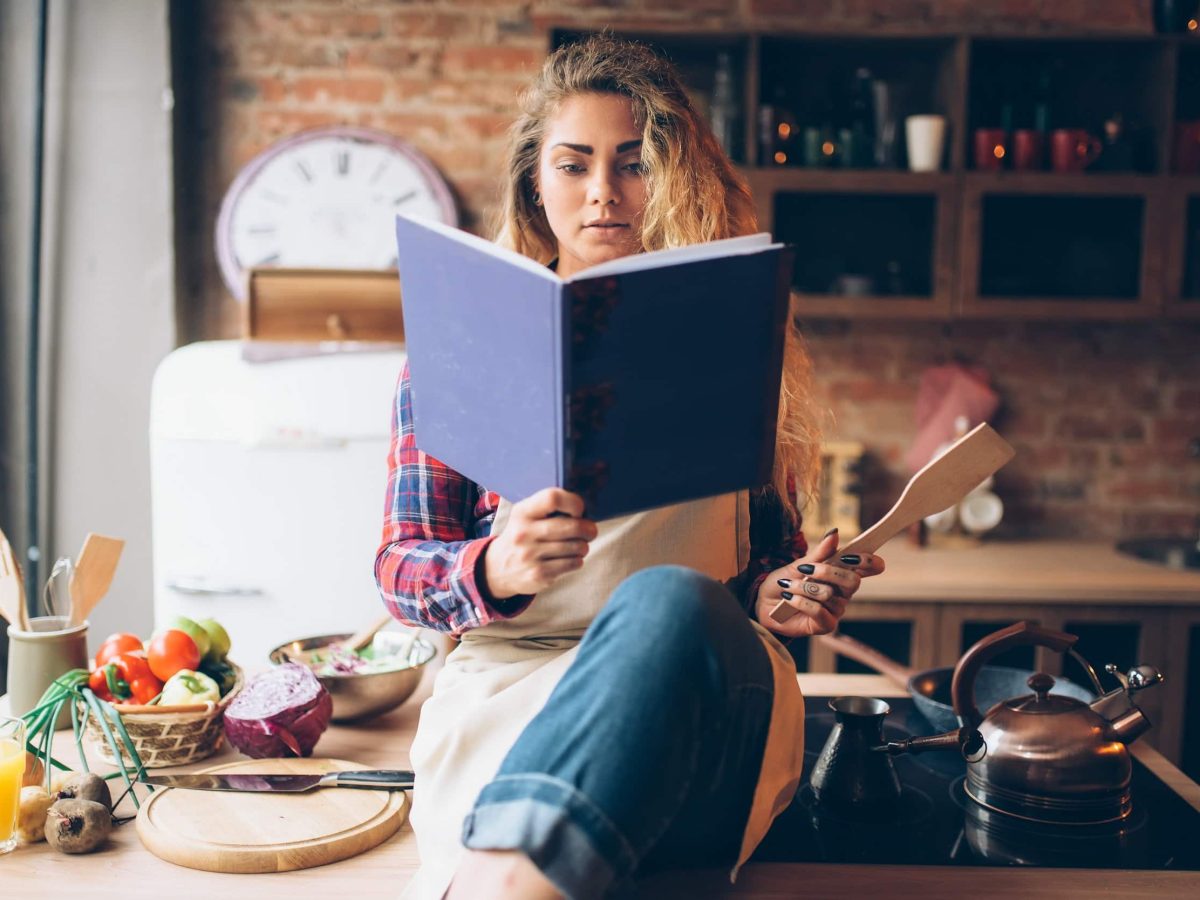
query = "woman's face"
x=590 y=179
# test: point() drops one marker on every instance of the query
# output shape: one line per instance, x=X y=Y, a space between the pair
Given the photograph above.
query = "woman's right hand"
x=537 y=546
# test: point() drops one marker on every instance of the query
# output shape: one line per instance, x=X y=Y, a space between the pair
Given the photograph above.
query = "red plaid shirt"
x=437 y=524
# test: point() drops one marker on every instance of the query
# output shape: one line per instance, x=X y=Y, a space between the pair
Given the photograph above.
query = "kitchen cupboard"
x=1120 y=240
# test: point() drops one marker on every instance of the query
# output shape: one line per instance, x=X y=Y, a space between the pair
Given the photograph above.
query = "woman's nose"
x=603 y=189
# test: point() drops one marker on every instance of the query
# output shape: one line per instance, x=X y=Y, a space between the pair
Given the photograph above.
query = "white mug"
x=926 y=136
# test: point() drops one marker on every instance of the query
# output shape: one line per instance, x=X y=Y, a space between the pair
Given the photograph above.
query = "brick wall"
x=1102 y=414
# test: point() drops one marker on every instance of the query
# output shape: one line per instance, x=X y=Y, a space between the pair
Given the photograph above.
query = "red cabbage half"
x=281 y=712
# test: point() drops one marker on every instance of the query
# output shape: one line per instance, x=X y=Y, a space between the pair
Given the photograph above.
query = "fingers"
x=865 y=564
x=548 y=501
x=559 y=549
x=813 y=618
x=846 y=580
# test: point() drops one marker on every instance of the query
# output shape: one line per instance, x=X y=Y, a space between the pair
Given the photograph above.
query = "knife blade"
x=270 y=783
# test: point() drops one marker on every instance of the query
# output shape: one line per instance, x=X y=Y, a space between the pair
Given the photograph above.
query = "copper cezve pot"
x=1043 y=757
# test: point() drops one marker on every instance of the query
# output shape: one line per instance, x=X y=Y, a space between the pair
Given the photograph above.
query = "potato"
x=31 y=822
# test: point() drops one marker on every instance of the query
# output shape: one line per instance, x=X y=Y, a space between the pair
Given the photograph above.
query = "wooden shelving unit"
x=1095 y=245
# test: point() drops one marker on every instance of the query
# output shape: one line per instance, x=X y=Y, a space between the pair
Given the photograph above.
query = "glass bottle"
x=778 y=132
x=723 y=109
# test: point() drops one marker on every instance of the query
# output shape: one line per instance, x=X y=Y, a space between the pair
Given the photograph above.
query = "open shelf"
x=1118 y=241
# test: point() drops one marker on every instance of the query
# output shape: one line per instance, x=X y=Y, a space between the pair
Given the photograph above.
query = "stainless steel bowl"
x=361 y=696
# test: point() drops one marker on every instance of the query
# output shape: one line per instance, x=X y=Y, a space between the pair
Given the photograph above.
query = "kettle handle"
x=1022 y=634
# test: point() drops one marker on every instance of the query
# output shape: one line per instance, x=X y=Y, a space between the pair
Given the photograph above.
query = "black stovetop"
x=936 y=824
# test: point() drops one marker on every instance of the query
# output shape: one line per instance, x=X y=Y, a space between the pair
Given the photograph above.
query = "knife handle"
x=373 y=779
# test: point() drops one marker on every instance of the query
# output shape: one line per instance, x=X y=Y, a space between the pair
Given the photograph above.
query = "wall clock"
x=326 y=199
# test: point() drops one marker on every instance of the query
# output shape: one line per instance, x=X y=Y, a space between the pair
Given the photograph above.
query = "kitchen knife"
x=246 y=782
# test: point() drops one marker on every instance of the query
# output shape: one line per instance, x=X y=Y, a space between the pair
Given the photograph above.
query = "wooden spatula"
x=93 y=574
x=12 y=587
x=941 y=484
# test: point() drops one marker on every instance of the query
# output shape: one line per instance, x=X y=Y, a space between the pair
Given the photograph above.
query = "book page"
x=483 y=246
x=657 y=259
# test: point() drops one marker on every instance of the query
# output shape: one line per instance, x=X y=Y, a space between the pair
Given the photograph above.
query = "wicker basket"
x=167 y=735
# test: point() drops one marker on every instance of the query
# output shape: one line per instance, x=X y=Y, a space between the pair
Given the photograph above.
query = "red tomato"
x=171 y=651
x=145 y=689
x=115 y=644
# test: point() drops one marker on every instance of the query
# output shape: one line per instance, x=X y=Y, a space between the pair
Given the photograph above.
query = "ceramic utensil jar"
x=37 y=656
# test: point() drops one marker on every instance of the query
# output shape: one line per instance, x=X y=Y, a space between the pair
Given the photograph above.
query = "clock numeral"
x=268 y=260
x=261 y=229
x=304 y=170
x=404 y=198
x=343 y=162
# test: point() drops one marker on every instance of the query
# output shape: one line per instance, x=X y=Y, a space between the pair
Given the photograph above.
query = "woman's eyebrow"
x=589 y=150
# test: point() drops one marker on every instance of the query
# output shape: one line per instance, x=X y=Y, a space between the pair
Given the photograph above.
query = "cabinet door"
x=867 y=244
x=1182 y=243
x=1049 y=246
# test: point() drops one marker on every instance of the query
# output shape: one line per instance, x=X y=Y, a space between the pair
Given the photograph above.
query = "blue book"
x=647 y=380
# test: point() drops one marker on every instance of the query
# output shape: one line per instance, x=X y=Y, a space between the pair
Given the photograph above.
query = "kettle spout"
x=1130 y=725
x=967 y=741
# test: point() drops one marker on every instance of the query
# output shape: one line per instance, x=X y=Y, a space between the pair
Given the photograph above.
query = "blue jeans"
x=647 y=752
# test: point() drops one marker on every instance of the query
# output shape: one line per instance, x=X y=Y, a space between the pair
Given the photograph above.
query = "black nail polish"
x=806 y=568
x=852 y=559
x=786 y=595
x=828 y=533
x=784 y=582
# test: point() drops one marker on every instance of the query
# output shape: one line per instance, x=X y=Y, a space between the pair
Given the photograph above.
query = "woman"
x=617 y=703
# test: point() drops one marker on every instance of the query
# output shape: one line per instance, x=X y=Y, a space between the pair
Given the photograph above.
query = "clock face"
x=326 y=199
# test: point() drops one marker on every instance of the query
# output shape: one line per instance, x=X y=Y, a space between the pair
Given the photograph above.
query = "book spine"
x=562 y=387
x=591 y=307
x=783 y=294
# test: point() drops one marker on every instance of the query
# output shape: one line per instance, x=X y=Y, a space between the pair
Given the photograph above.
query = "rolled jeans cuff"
x=561 y=830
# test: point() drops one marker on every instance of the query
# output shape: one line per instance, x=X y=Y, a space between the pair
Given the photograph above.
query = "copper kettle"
x=1044 y=757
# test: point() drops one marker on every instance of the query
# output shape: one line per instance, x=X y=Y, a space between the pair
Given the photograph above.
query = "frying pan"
x=930 y=689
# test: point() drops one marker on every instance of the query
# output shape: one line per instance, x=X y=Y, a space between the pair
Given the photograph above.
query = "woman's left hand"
x=819 y=591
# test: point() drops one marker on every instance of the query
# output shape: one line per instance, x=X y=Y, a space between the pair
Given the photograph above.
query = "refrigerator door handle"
x=200 y=587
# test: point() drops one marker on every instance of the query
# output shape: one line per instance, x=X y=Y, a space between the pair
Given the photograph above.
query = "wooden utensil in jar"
x=94 y=570
x=12 y=587
x=942 y=483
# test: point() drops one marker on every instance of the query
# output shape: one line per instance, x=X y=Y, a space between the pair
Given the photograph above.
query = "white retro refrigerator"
x=267 y=486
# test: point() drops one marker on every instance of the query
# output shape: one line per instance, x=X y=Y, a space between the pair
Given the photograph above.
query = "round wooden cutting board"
x=223 y=831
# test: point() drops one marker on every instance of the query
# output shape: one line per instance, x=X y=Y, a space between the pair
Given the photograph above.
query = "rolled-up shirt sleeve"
x=436 y=526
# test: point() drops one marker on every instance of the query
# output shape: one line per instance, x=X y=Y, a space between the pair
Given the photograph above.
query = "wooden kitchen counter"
x=1087 y=572
x=126 y=870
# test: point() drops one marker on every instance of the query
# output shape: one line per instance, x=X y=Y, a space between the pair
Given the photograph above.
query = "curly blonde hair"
x=693 y=195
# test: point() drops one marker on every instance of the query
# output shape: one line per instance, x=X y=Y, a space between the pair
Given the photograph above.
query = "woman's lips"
x=607 y=232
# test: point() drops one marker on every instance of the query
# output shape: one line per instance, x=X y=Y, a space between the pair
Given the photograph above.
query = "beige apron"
x=501 y=675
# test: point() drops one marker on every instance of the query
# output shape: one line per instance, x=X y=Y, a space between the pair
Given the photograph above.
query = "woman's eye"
x=570 y=168
x=636 y=168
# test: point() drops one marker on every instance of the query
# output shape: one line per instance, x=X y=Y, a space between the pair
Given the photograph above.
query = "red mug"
x=1187 y=148
x=1073 y=149
x=991 y=149
x=1028 y=150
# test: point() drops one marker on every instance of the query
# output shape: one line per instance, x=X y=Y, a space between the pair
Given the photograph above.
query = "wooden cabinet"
x=1120 y=240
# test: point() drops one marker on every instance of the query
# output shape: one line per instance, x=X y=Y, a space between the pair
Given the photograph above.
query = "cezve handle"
x=373 y=779
x=941 y=484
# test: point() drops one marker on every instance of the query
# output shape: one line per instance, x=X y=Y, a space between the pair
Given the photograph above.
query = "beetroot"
x=281 y=712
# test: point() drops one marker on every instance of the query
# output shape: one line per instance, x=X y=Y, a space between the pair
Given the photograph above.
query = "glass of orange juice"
x=12 y=768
